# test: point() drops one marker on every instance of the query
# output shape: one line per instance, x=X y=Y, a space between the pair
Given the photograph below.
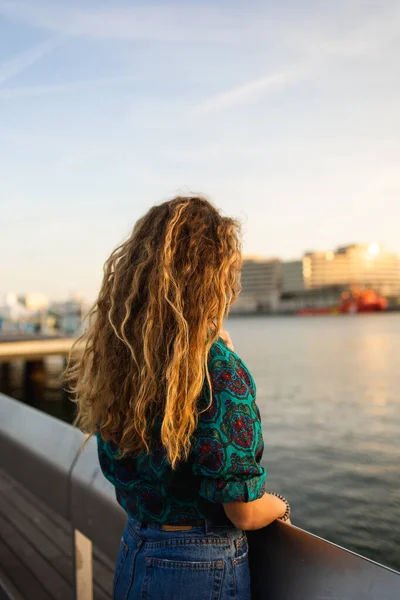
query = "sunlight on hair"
x=165 y=293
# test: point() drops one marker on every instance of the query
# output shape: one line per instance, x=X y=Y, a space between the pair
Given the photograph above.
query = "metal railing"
x=43 y=454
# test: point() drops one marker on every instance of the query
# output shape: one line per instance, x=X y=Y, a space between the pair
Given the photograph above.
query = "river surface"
x=328 y=389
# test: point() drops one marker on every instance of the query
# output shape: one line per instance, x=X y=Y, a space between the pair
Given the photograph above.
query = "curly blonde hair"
x=143 y=356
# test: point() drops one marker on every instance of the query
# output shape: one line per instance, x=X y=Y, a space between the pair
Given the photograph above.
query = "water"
x=47 y=394
x=328 y=390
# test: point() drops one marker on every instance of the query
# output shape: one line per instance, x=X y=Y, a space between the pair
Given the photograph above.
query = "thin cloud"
x=365 y=27
x=253 y=90
x=165 y=22
x=366 y=39
x=12 y=67
x=60 y=88
x=369 y=35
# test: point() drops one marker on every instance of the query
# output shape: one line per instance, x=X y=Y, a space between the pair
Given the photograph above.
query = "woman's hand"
x=255 y=514
x=227 y=338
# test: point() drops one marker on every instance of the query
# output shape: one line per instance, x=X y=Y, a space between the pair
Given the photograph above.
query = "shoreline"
x=255 y=314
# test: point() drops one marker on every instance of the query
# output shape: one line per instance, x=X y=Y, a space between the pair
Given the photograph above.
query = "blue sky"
x=287 y=114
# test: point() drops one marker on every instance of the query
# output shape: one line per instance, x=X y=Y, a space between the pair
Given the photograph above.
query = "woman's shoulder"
x=228 y=372
x=220 y=349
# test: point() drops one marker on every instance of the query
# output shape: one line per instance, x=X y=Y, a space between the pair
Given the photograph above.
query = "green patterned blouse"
x=224 y=463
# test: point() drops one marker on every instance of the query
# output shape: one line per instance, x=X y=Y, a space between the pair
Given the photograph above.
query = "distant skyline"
x=287 y=115
x=10 y=296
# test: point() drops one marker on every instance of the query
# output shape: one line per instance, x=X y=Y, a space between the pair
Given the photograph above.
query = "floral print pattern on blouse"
x=224 y=463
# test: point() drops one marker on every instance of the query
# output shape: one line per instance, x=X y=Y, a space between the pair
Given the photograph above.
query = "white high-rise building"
x=366 y=266
x=261 y=285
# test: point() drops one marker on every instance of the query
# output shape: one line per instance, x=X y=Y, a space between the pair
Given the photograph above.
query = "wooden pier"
x=33 y=347
x=36 y=553
x=32 y=351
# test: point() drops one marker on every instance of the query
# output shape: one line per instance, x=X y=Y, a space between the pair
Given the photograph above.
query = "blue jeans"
x=203 y=563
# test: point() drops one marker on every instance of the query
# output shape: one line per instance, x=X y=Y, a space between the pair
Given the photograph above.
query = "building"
x=293 y=277
x=35 y=301
x=12 y=313
x=261 y=285
x=320 y=280
x=31 y=314
x=364 y=266
x=69 y=315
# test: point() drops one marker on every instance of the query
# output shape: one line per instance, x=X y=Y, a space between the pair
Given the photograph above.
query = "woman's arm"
x=228 y=445
x=255 y=514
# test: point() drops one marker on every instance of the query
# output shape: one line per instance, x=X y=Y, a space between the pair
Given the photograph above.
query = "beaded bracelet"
x=286 y=516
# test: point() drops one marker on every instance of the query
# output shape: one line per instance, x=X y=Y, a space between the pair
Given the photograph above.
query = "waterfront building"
x=32 y=314
x=293 y=281
x=69 y=315
x=319 y=279
x=327 y=297
x=364 y=266
x=326 y=279
x=35 y=302
x=261 y=285
x=12 y=312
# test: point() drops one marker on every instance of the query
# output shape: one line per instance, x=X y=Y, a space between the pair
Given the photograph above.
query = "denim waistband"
x=208 y=525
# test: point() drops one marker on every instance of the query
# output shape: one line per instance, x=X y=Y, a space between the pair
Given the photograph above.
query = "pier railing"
x=44 y=455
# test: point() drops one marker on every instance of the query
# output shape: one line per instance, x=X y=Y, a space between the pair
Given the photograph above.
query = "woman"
x=173 y=408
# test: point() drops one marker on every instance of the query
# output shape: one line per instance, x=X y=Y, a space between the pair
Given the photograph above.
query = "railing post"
x=83 y=566
x=34 y=381
x=5 y=377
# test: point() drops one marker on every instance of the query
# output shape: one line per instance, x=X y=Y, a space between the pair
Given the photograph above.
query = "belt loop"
x=208 y=527
x=137 y=525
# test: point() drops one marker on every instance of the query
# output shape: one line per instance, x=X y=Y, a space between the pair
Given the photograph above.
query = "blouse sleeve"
x=228 y=443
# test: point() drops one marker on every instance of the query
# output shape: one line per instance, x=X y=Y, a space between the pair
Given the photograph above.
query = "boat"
x=361 y=301
x=352 y=301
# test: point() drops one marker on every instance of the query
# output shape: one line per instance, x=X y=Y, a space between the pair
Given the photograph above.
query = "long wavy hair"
x=143 y=356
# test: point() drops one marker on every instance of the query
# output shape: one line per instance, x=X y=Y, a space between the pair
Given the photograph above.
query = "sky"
x=285 y=113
